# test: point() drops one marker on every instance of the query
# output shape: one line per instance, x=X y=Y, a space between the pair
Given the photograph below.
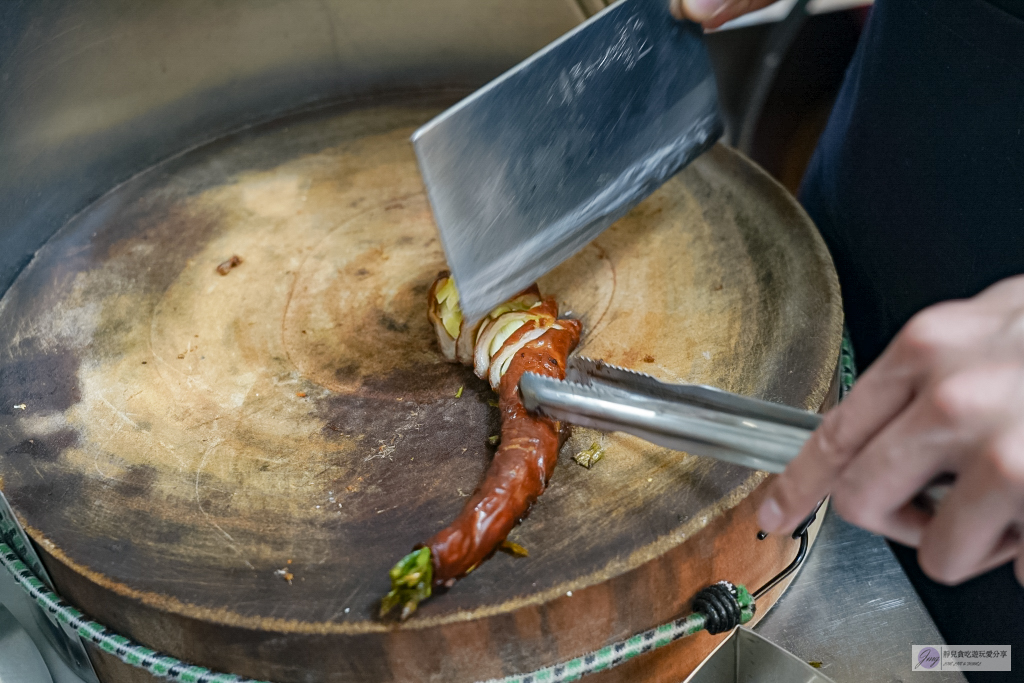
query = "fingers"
x=872 y=482
x=1010 y=288
x=943 y=430
x=876 y=487
x=945 y=396
x=874 y=401
x=923 y=347
x=974 y=528
x=714 y=13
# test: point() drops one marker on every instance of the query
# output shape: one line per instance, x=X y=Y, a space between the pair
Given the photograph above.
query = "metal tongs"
x=698 y=419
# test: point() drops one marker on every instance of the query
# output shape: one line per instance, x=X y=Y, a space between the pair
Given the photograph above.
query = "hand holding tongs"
x=698 y=419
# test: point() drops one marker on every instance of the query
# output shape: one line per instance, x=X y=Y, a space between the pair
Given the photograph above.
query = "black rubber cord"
x=719 y=606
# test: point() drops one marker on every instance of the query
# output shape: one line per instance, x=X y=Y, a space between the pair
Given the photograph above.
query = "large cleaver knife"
x=524 y=172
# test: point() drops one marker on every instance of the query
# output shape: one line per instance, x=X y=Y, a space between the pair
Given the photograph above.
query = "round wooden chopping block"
x=223 y=464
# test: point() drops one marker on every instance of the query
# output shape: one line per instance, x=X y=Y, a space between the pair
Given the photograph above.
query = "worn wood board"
x=174 y=437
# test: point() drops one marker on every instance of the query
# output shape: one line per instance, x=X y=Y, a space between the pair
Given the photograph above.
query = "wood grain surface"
x=186 y=435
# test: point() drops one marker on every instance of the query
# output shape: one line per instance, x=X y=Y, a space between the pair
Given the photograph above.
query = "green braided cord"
x=613 y=655
x=170 y=668
x=124 y=649
x=10 y=534
x=847 y=368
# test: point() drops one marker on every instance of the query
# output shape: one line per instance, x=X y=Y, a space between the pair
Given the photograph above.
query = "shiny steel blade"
x=526 y=171
x=751 y=442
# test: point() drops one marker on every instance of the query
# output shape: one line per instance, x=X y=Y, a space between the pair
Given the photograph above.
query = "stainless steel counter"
x=853 y=609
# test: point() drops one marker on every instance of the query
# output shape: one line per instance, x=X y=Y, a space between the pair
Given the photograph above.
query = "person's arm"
x=714 y=13
x=946 y=396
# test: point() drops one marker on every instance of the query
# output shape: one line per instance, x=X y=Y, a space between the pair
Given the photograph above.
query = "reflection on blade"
x=526 y=171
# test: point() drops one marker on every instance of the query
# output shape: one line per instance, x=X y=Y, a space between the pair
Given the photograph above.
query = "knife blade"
x=526 y=171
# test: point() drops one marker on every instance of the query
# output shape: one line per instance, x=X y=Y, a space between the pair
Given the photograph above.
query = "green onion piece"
x=514 y=549
x=447 y=290
x=517 y=304
x=503 y=334
x=410 y=583
x=505 y=364
x=458 y=394
x=448 y=309
x=589 y=457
